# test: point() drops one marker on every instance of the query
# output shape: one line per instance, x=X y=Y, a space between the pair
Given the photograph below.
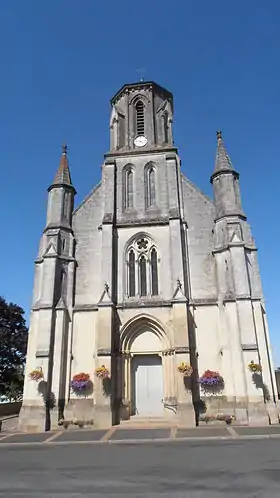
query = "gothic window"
x=142 y=266
x=154 y=272
x=165 y=127
x=140 y=122
x=143 y=276
x=152 y=187
x=131 y=273
x=150 y=183
x=128 y=187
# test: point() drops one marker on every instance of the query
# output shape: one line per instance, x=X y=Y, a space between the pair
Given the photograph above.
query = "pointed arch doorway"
x=147 y=386
x=144 y=389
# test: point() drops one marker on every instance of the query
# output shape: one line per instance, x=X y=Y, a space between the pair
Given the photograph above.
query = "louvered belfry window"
x=140 y=122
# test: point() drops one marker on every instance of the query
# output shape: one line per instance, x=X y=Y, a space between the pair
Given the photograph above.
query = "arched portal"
x=144 y=344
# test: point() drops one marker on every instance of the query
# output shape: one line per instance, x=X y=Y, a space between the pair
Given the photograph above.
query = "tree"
x=13 y=345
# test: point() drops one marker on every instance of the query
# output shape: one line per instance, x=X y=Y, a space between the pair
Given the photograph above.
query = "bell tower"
x=141 y=118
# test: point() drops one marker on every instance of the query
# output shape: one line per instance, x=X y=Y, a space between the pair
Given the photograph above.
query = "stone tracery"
x=142 y=268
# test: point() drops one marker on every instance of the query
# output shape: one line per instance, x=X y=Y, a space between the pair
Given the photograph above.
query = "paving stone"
x=203 y=432
x=27 y=438
x=257 y=431
x=140 y=434
x=81 y=435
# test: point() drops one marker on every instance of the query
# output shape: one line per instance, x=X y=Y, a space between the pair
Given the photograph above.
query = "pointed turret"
x=54 y=291
x=63 y=176
x=61 y=195
x=225 y=181
x=222 y=162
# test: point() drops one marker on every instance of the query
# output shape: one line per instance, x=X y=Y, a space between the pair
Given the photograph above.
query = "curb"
x=143 y=441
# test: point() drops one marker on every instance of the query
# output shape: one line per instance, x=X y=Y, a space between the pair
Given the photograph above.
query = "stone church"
x=145 y=275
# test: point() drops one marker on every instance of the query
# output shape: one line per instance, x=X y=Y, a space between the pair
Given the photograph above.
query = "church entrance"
x=147 y=385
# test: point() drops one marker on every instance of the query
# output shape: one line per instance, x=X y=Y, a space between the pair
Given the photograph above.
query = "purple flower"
x=79 y=385
x=210 y=381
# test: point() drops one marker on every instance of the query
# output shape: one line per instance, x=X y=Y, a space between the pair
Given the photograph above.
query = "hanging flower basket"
x=36 y=374
x=211 y=379
x=185 y=369
x=80 y=383
x=254 y=367
x=102 y=372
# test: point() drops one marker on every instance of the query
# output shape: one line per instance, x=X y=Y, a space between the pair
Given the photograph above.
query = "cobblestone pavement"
x=145 y=433
x=205 y=468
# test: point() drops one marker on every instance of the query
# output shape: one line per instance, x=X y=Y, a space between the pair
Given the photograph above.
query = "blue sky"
x=62 y=60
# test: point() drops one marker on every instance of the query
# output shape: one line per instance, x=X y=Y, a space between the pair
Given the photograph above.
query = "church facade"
x=146 y=278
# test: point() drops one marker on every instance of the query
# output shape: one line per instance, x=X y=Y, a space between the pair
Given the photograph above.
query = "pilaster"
x=103 y=387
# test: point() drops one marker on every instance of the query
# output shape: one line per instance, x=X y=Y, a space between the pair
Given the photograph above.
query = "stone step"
x=141 y=421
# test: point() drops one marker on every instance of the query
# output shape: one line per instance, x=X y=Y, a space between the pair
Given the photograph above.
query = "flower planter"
x=211 y=382
x=220 y=417
x=255 y=367
x=36 y=374
x=102 y=372
x=185 y=369
x=81 y=383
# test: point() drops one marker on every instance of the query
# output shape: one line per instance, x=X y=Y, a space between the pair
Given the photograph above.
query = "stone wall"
x=7 y=409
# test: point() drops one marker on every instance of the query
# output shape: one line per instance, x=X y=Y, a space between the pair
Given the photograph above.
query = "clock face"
x=140 y=141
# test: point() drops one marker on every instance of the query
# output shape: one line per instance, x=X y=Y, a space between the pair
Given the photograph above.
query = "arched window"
x=143 y=276
x=154 y=272
x=142 y=268
x=140 y=122
x=131 y=273
x=165 y=127
x=128 y=188
x=151 y=186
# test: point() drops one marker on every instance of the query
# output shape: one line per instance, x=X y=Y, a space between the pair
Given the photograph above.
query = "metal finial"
x=64 y=149
x=219 y=134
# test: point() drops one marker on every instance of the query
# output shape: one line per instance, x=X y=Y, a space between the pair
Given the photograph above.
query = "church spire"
x=61 y=194
x=222 y=162
x=225 y=181
x=63 y=176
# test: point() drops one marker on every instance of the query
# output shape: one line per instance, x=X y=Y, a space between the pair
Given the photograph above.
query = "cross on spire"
x=142 y=71
x=64 y=149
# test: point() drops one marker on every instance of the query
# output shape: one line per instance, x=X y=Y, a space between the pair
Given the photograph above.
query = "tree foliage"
x=13 y=345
